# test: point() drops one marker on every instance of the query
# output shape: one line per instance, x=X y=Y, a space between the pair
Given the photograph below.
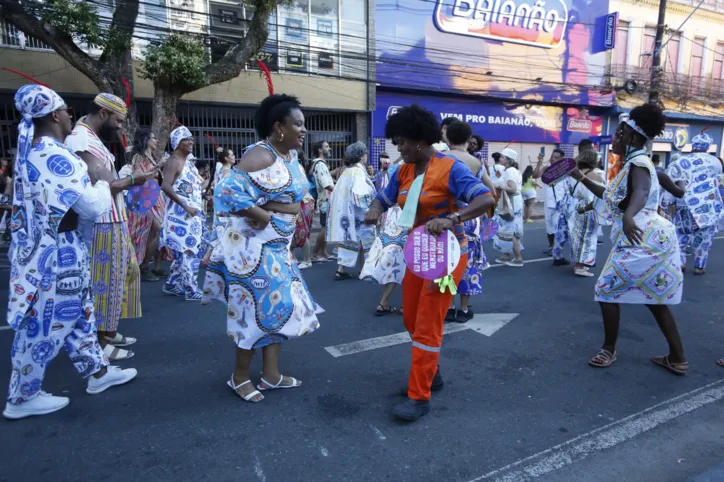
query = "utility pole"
x=656 y=71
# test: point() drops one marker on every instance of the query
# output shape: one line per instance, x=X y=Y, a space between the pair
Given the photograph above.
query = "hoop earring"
x=280 y=137
x=418 y=147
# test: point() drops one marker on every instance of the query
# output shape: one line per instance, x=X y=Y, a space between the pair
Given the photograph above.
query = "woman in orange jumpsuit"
x=445 y=180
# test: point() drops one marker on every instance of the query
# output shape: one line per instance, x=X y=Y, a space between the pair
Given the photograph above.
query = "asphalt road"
x=521 y=404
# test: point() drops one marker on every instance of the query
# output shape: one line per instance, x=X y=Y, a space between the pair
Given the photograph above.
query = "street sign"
x=485 y=324
x=610 y=31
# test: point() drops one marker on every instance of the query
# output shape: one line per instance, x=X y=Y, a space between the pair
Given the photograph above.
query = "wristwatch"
x=455 y=218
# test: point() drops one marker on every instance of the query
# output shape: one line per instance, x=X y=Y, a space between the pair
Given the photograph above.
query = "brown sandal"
x=678 y=368
x=699 y=271
x=603 y=359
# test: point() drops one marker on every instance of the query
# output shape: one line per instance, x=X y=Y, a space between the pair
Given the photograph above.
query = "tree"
x=177 y=65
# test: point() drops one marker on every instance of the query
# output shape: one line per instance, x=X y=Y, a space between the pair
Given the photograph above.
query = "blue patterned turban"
x=178 y=134
x=701 y=143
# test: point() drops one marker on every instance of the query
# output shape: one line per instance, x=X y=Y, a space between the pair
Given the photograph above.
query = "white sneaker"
x=114 y=376
x=305 y=265
x=43 y=404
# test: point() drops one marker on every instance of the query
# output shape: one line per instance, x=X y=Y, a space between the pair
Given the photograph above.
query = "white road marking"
x=537 y=260
x=485 y=324
x=378 y=432
x=4 y=328
x=258 y=470
x=608 y=436
x=718 y=237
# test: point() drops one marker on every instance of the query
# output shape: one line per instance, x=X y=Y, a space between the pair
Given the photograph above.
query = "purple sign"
x=488 y=228
x=512 y=49
x=558 y=171
x=141 y=199
x=431 y=257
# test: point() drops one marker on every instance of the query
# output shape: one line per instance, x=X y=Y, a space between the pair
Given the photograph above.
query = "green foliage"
x=177 y=60
x=78 y=17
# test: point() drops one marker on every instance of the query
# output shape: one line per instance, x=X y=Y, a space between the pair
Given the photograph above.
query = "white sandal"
x=246 y=398
x=116 y=354
x=583 y=272
x=120 y=340
x=295 y=383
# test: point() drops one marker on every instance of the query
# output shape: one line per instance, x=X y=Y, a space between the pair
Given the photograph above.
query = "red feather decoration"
x=216 y=146
x=267 y=76
x=128 y=92
x=173 y=121
x=25 y=76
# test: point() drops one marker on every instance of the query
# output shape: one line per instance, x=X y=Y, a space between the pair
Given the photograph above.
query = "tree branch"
x=124 y=20
x=14 y=13
x=240 y=53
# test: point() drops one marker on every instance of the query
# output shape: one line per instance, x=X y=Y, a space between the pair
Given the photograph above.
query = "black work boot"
x=411 y=410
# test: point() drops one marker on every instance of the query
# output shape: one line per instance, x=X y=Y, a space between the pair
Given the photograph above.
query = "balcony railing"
x=12 y=37
x=681 y=88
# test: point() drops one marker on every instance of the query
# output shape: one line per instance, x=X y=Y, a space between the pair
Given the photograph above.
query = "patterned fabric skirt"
x=115 y=277
x=471 y=283
x=584 y=237
x=252 y=273
x=303 y=229
x=386 y=260
x=139 y=226
x=648 y=273
x=507 y=231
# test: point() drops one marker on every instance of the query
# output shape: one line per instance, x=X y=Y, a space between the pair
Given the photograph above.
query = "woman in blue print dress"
x=644 y=266
x=251 y=270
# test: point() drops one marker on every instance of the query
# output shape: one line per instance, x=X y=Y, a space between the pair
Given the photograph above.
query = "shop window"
x=324 y=40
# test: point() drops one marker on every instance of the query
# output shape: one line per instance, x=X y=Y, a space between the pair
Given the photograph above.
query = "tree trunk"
x=163 y=110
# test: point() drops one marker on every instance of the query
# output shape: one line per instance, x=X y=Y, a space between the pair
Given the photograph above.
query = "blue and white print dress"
x=648 y=273
x=250 y=270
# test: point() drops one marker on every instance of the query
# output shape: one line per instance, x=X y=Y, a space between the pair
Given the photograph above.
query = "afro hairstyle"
x=415 y=123
x=273 y=109
x=650 y=118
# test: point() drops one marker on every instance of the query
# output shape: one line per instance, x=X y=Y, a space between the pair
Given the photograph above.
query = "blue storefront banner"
x=502 y=122
x=550 y=51
x=680 y=135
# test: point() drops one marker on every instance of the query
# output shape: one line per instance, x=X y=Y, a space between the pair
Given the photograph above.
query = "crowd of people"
x=78 y=254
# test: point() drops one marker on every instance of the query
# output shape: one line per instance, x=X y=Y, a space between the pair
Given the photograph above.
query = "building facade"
x=317 y=50
x=524 y=74
x=692 y=60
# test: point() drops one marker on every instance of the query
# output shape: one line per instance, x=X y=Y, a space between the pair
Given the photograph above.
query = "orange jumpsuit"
x=447 y=180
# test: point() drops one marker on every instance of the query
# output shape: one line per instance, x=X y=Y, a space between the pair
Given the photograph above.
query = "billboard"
x=514 y=49
x=498 y=121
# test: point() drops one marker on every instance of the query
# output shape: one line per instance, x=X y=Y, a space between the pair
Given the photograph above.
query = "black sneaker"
x=464 y=316
x=561 y=262
x=450 y=316
x=411 y=410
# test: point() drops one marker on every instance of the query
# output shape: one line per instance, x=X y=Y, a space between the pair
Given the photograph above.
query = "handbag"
x=505 y=207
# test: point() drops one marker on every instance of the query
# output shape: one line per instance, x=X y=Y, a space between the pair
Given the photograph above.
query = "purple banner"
x=498 y=121
x=509 y=49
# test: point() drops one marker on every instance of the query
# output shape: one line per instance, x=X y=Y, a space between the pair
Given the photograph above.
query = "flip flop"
x=295 y=384
x=678 y=368
x=603 y=359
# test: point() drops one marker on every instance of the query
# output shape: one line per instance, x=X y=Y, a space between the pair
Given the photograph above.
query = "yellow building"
x=309 y=53
x=693 y=62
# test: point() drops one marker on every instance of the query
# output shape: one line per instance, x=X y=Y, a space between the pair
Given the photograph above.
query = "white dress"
x=648 y=273
x=509 y=229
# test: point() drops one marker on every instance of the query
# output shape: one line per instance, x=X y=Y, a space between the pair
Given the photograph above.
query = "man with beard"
x=183 y=225
x=115 y=277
